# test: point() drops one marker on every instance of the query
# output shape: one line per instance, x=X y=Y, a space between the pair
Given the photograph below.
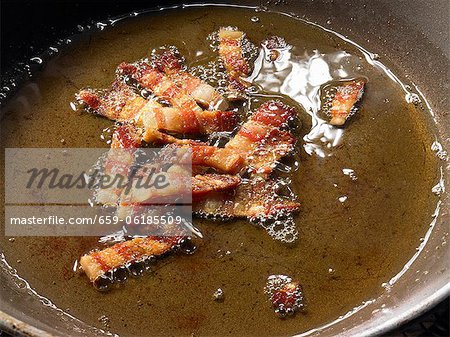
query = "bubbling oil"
x=285 y=295
x=309 y=80
x=382 y=161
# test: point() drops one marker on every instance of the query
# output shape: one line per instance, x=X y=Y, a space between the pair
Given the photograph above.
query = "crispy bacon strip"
x=261 y=140
x=252 y=198
x=126 y=136
x=121 y=158
x=232 y=55
x=203 y=93
x=206 y=183
x=119 y=103
x=221 y=159
x=160 y=84
x=123 y=105
x=96 y=264
x=178 y=184
x=345 y=98
x=174 y=120
x=277 y=144
x=202 y=185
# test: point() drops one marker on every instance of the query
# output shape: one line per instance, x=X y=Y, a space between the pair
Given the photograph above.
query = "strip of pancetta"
x=142 y=200
x=122 y=104
x=263 y=140
x=97 y=264
x=253 y=198
x=199 y=185
x=221 y=159
x=149 y=77
x=117 y=164
x=204 y=94
x=345 y=98
x=232 y=55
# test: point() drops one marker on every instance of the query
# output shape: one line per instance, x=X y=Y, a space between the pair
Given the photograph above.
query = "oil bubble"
x=412 y=98
x=218 y=295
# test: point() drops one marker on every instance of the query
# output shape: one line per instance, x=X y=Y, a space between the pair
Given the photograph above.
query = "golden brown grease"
x=364 y=241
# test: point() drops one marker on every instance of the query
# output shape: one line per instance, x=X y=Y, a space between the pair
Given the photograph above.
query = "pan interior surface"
x=356 y=231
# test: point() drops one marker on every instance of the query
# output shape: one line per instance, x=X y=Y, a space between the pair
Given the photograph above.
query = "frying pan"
x=411 y=37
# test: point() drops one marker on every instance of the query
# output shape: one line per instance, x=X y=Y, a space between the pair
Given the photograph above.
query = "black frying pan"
x=412 y=34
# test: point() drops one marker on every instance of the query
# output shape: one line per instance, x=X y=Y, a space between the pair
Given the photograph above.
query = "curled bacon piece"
x=119 y=103
x=176 y=182
x=203 y=93
x=126 y=136
x=155 y=117
x=120 y=158
x=232 y=55
x=261 y=140
x=252 y=198
x=198 y=185
x=98 y=263
x=221 y=159
x=274 y=47
x=345 y=98
x=135 y=202
x=122 y=104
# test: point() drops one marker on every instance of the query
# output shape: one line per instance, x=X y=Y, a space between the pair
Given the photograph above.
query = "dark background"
x=30 y=27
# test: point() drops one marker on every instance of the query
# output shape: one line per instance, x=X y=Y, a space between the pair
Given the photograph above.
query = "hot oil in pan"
x=365 y=192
